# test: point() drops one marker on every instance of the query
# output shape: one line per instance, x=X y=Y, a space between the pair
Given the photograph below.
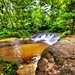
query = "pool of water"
x=23 y=50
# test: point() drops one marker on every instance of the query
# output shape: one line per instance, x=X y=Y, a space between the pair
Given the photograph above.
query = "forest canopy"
x=21 y=18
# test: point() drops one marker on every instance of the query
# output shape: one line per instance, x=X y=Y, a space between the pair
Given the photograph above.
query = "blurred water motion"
x=48 y=38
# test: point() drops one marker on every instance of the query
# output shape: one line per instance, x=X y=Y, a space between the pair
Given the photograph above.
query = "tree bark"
x=73 y=27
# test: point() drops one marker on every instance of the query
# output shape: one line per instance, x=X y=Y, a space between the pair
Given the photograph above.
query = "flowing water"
x=22 y=50
x=48 y=38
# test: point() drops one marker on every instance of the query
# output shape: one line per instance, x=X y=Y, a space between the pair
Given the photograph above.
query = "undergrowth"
x=9 y=66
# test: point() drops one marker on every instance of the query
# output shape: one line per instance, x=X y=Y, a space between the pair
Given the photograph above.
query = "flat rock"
x=58 y=59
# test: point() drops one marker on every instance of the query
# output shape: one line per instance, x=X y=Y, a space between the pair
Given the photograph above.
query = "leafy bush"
x=22 y=18
x=10 y=66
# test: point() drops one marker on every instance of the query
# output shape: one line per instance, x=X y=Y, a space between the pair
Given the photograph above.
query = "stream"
x=22 y=50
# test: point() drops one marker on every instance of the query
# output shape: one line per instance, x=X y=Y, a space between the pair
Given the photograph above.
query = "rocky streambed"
x=56 y=59
x=24 y=51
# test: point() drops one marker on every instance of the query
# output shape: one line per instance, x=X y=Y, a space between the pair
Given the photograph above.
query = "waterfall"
x=48 y=38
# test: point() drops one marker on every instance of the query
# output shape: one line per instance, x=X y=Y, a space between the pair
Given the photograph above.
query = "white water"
x=48 y=38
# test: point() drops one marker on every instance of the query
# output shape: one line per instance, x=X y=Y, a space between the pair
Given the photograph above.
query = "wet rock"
x=58 y=59
x=26 y=40
x=10 y=50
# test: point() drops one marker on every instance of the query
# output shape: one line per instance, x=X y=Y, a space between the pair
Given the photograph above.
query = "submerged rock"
x=58 y=59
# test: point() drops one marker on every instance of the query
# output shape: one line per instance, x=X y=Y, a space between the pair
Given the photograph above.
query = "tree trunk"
x=73 y=26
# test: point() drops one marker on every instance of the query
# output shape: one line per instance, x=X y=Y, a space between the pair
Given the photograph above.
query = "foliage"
x=65 y=34
x=10 y=66
x=21 y=18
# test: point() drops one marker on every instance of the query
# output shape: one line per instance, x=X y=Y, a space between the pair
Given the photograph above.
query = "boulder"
x=29 y=68
x=26 y=69
x=58 y=59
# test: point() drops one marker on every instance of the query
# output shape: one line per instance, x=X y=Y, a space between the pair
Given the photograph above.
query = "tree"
x=71 y=11
x=62 y=15
x=14 y=18
x=20 y=18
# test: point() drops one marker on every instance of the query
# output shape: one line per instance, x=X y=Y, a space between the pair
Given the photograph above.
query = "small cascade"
x=27 y=50
x=22 y=50
x=48 y=38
